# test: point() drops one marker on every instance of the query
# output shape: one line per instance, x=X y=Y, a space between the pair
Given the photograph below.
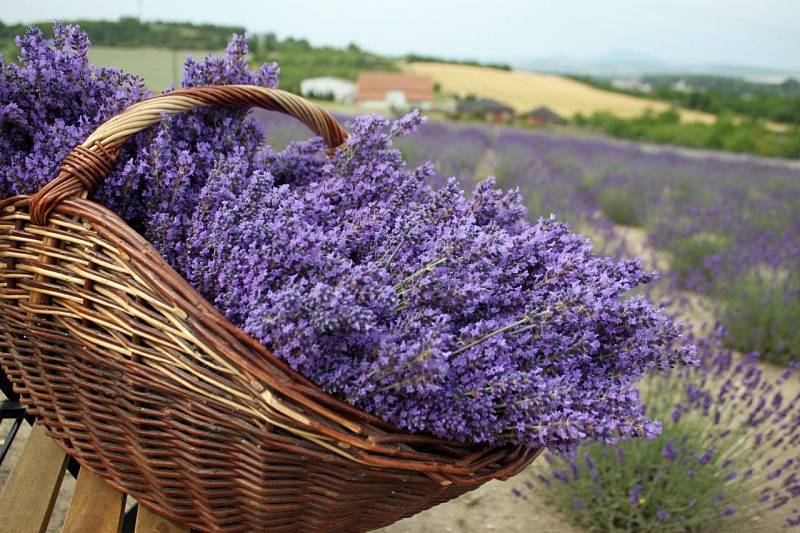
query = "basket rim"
x=348 y=431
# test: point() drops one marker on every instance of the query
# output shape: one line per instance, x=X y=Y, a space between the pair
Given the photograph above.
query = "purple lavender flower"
x=439 y=313
x=669 y=452
x=635 y=495
x=703 y=461
x=619 y=454
x=706 y=457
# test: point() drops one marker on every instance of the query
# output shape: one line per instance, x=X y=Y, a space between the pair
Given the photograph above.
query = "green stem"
x=418 y=273
x=526 y=318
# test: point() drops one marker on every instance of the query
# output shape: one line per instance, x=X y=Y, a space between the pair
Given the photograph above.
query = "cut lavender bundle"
x=438 y=313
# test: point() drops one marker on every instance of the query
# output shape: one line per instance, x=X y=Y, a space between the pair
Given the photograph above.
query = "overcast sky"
x=763 y=33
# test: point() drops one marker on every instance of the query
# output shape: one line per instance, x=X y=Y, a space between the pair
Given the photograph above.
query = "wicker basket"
x=142 y=381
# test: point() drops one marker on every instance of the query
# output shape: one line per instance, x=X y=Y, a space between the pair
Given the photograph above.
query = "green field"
x=160 y=68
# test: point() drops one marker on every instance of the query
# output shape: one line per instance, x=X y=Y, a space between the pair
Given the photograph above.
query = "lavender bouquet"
x=436 y=312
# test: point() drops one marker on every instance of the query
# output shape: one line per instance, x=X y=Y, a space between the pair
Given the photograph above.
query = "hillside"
x=156 y=50
x=159 y=67
x=778 y=104
x=132 y=33
x=526 y=90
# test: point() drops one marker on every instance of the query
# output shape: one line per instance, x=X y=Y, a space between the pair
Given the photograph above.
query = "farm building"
x=542 y=116
x=395 y=90
x=631 y=84
x=484 y=109
x=329 y=88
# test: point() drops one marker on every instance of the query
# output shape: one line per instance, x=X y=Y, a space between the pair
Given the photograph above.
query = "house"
x=681 y=86
x=394 y=90
x=329 y=88
x=542 y=116
x=631 y=84
x=484 y=109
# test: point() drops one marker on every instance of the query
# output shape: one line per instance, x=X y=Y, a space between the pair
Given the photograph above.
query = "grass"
x=160 y=67
x=702 y=473
x=761 y=313
x=689 y=257
x=609 y=508
x=525 y=90
x=621 y=206
x=727 y=133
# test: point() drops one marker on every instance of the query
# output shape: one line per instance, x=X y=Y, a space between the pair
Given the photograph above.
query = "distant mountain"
x=627 y=63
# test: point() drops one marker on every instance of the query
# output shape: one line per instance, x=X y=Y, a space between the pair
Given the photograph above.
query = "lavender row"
x=727 y=455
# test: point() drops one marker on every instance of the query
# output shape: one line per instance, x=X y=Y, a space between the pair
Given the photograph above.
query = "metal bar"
x=11 y=409
x=10 y=438
x=7 y=389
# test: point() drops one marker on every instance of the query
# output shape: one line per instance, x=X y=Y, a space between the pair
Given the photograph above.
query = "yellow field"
x=526 y=90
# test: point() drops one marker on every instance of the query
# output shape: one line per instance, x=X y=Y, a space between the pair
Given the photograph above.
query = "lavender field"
x=724 y=234
x=726 y=229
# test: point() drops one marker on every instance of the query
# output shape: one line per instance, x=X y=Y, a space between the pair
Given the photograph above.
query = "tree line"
x=130 y=32
x=779 y=102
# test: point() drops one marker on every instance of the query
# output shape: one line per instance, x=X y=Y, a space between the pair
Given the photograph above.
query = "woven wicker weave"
x=142 y=381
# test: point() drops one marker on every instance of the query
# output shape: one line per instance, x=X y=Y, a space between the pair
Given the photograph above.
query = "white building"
x=682 y=86
x=631 y=84
x=338 y=89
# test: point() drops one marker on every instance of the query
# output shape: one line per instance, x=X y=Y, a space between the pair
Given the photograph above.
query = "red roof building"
x=394 y=89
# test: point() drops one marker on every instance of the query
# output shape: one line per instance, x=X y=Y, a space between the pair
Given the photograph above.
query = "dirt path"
x=486 y=165
x=695 y=309
x=490 y=508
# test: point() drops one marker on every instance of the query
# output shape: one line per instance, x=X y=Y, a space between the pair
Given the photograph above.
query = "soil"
x=492 y=507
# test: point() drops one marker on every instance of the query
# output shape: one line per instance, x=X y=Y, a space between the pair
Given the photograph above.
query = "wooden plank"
x=32 y=488
x=95 y=506
x=149 y=522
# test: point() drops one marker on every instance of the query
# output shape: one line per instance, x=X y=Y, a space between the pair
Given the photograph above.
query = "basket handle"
x=87 y=164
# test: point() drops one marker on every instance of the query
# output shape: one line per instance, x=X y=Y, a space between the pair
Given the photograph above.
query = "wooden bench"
x=33 y=485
